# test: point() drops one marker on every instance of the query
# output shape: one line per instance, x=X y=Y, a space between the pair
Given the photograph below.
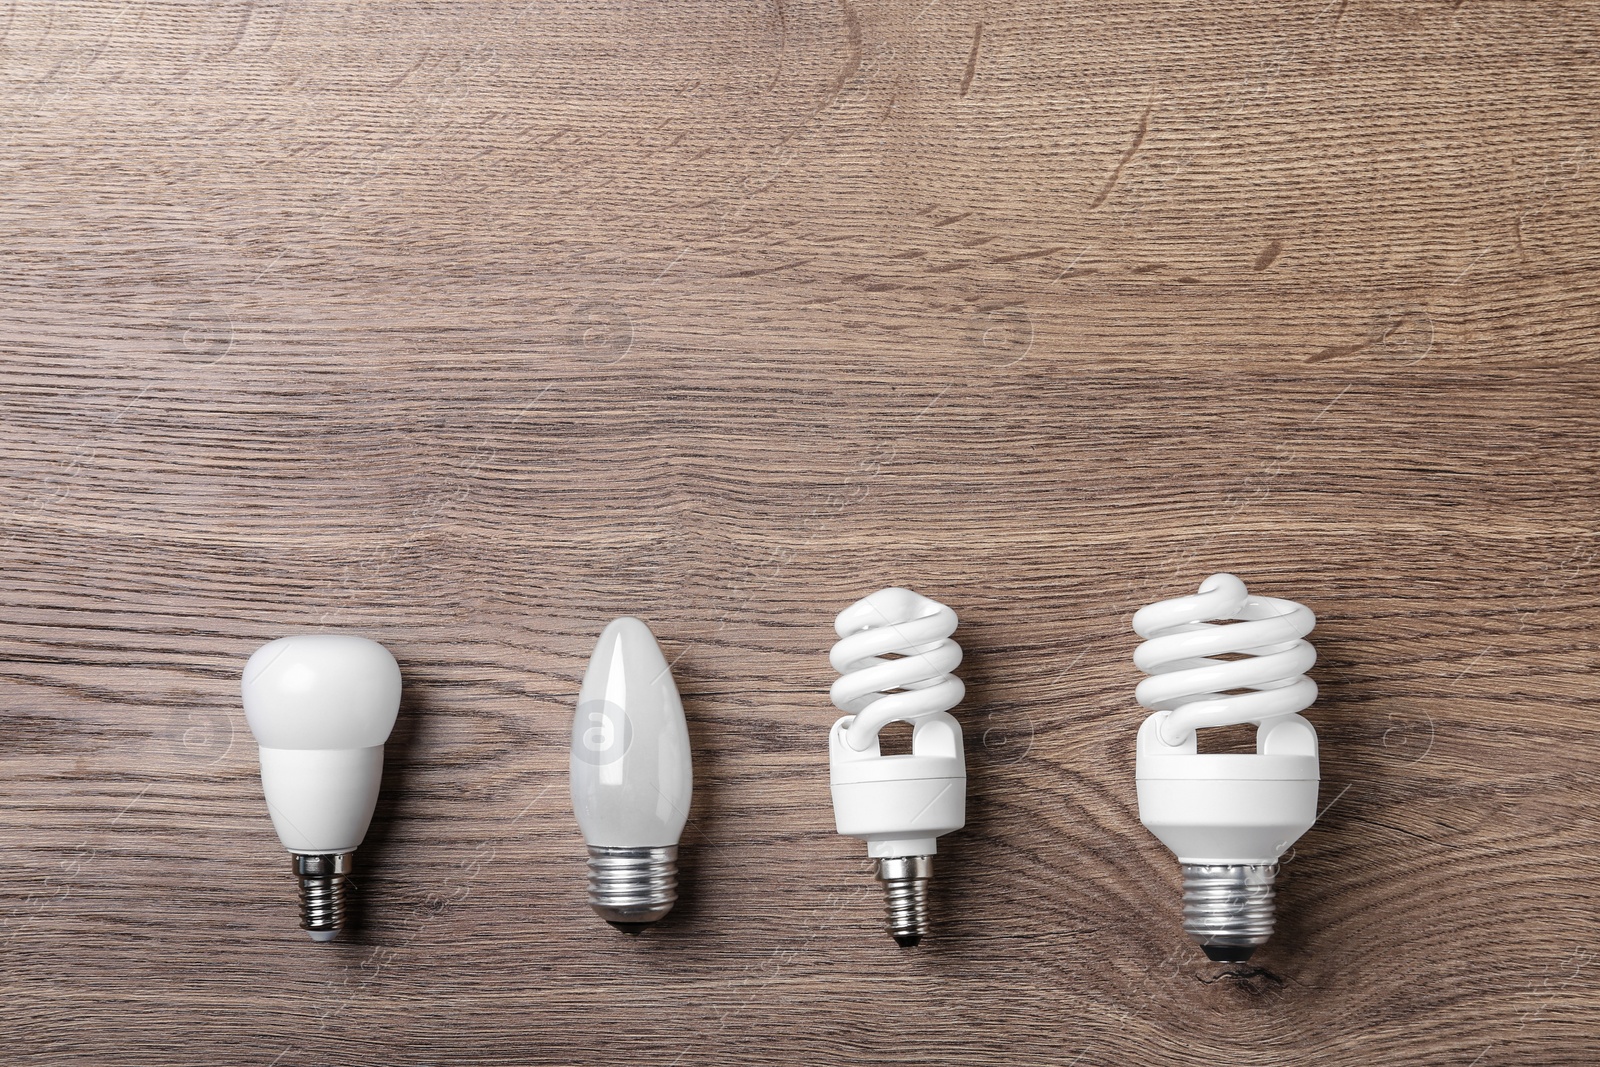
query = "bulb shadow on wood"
x=382 y=846
x=698 y=837
x=954 y=899
x=1359 y=776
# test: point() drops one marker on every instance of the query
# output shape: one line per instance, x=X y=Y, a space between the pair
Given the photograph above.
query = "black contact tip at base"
x=907 y=940
x=1228 y=953
x=631 y=928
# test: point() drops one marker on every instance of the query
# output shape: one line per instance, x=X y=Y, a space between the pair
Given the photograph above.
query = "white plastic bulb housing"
x=321 y=707
x=632 y=775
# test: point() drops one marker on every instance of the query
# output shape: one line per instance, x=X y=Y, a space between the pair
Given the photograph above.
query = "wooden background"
x=469 y=326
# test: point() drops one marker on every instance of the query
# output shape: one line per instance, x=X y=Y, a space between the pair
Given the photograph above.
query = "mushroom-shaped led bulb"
x=321 y=706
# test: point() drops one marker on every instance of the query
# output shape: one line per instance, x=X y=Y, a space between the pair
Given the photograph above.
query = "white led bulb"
x=321 y=706
x=632 y=778
x=1227 y=816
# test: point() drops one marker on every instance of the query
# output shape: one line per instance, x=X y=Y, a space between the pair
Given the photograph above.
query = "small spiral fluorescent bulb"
x=899 y=805
x=321 y=706
x=632 y=779
x=1227 y=816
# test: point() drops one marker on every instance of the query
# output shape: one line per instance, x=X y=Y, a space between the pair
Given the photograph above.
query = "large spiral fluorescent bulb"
x=899 y=805
x=632 y=779
x=321 y=706
x=1227 y=816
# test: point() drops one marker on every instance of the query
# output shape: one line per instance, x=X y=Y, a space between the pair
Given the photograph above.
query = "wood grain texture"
x=469 y=326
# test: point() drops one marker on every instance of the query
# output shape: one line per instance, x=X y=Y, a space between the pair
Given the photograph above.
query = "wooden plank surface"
x=469 y=326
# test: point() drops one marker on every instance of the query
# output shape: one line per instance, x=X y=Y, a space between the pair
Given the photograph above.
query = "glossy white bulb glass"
x=321 y=707
x=1227 y=816
x=895 y=656
x=632 y=776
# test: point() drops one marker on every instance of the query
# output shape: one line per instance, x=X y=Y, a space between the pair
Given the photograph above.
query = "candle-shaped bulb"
x=632 y=779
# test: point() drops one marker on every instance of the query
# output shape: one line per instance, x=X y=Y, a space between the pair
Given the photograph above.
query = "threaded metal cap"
x=322 y=891
x=905 y=884
x=632 y=887
x=1228 y=909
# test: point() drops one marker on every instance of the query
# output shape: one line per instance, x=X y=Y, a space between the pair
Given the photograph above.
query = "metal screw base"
x=322 y=891
x=632 y=887
x=905 y=882
x=1228 y=909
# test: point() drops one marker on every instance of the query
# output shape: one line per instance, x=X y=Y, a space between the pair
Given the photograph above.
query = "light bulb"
x=632 y=779
x=899 y=805
x=1227 y=816
x=321 y=706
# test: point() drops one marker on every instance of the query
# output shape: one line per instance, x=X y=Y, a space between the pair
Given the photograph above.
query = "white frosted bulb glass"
x=1227 y=816
x=632 y=778
x=894 y=657
x=321 y=706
